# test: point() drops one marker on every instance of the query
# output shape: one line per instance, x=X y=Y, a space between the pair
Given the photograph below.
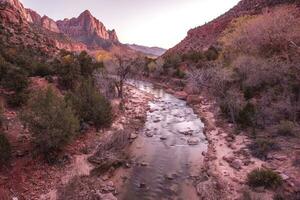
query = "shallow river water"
x=167 y=153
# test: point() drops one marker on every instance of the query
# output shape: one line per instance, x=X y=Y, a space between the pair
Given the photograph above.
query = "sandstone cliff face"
x=13 y=11
x=89 y=30
x=201 y=38
x=36 y=18
x=49 y=24
x=77 y=34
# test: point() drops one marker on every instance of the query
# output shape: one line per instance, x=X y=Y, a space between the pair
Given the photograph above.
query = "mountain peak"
x=86 y=13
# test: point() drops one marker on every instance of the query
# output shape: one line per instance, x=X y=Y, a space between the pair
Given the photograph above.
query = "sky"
x=162 y=23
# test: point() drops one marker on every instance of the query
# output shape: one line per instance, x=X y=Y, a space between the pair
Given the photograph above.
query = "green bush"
x=211 y=54
x=179 y=73
x=51 y=121
x=1 y=114
x=286 y=128
x=43 y=70
x=5 y=150
x=18 y=99
x=260 y=148
x=246 y=116
x=90 y=105
x=264 y=178
x=15 y=79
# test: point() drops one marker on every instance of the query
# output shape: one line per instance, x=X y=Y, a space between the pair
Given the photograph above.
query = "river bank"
x=32 y=178
x=229 y=160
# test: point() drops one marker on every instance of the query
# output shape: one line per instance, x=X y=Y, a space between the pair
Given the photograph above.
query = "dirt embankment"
x=229 y=160
x=32 y=178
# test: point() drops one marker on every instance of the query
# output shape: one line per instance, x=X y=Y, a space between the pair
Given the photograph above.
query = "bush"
x=18 y=99
x=179 y=73
x=246 y=116
x=90 y=105
x=286 y=128
x=260 y=148
x=1 y=114
x=211 y=54
x=51 y=121
x=15 y=79
x=43 y=70
x=5 y=150
x=264 y=178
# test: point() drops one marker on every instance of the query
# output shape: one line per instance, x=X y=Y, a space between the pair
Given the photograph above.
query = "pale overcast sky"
x=162 y=23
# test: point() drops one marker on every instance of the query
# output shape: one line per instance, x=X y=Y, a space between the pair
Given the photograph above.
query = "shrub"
x=264 y=178
x=179 y=73
x=5 y=150
x=1 y=114
x=18 y=99
x=90 y=105
x=260 y=148
x=43 y=70
x=211 y=54
x=51 y=121
x=246 y=116
x=286 y=128
x=15 y=79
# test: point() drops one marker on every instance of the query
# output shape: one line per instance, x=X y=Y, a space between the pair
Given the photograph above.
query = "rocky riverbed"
x=166 y=157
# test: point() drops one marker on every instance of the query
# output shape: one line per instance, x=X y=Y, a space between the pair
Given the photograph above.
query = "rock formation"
x=88 y=30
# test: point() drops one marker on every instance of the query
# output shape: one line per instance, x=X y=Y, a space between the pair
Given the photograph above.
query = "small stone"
x=193 y=141
x=284 y=176
x=142 y=185
x=149 y=134
x=228 y=159
x=280 y=158
x=144 y=164
x=105 y=178
x=236 y=164
x=163 y=138
x=128 y=165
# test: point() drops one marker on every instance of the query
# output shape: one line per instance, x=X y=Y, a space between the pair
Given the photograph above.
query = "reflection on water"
x=163 y=160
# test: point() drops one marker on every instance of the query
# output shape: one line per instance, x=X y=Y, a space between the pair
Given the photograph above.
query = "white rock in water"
x=149 y=134
x=193 y=141
x=163 y=138
x=133 y=136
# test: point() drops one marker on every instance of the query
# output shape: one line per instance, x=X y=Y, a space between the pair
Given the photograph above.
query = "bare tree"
x=122 y=71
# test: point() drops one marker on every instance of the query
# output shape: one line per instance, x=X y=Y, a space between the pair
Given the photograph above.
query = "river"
x=167 y=153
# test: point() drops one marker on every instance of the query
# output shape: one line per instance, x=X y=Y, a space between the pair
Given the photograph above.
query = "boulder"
x=181 y=95
x=193 y=99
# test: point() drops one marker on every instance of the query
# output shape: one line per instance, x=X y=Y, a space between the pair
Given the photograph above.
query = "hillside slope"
x=202 y=37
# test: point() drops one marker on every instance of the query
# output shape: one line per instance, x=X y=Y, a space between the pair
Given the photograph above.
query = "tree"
x=90 y=105
x=69 y=71
x=87 y=64
x=51 y=121
x=122 y=71
x=1 y=114
x=5 y=149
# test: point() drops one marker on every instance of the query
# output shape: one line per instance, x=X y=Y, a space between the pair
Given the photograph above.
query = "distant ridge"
x=150 y=51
